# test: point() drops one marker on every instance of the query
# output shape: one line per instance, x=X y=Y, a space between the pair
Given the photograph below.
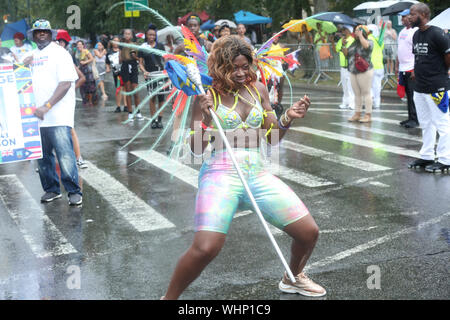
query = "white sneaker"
x=139 y=116
x=343 y=106
x=130 y=117
x=303 y=285
x=351 y=107
x=81 y=164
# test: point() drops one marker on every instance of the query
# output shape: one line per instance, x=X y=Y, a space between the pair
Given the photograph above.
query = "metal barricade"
x=153 y=86
x=389 y=61
x=316 y=64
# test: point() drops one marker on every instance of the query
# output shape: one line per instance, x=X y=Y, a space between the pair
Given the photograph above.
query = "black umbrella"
x=397 y=8
x=335 y=17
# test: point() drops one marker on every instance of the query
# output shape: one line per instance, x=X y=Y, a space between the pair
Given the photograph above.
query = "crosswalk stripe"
x=133 y=209
x=350 y=111
x=299 y=177
x=329 y=156
x=358 y=141
x=35 y=226
x=379 y=131
x=171 y=166
x=190 y=175
x=384 y=120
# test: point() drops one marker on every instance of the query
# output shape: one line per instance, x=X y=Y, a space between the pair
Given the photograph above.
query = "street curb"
x=319 y=87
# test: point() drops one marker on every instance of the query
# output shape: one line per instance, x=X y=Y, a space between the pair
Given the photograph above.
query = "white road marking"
x=371 y=244
x=330 y=156
x=340 y=230
x=384 y=120
x=190 y=175
x=385 y=215
x=358 y=141
x=36 y=227
x=299 y=177
x=374 y=110
x=379 y=131
x=348 y=110
x=349 y=184
x=133 y=209
x=379 y=184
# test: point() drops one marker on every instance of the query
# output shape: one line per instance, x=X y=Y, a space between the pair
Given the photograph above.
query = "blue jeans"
x=60 y=140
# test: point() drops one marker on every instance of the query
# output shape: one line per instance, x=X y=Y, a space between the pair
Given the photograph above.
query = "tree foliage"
x=95 y=20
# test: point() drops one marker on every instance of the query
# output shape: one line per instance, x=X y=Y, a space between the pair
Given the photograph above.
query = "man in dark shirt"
x=431 y=50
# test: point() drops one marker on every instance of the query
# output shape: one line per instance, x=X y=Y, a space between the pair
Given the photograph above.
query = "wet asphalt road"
x=123 y=243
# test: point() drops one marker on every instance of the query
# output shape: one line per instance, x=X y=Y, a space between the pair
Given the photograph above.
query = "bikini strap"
x=215 y=99
x=259 y=96
x=250 y=91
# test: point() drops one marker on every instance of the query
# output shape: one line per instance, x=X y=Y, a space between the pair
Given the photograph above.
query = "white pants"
x=431 y=118
x=349 y=98
x=378 y=75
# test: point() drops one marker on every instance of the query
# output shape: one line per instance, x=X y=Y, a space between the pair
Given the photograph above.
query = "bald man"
x=431 y=48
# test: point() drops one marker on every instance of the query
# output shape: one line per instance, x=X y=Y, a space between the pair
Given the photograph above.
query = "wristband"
x=48 y=105
x=281 y=126
x=280 y=122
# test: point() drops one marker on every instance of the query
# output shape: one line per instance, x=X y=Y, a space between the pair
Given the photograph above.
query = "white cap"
x=374 y=29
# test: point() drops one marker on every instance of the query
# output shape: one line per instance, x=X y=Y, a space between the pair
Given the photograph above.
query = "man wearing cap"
x=54 y=77
x=20 y=49
x=431 y=63
x=348 y=99
x=405 y=66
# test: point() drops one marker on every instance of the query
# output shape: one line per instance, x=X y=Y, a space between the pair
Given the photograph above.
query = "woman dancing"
x=242 y=104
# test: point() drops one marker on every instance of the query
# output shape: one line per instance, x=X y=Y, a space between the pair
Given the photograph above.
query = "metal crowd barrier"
x=315 y=66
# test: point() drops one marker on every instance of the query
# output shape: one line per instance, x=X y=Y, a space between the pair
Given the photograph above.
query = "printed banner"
x=20 y=137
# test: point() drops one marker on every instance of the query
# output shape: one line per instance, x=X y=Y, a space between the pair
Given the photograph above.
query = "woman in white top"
x=390 y=47
x=100 y=61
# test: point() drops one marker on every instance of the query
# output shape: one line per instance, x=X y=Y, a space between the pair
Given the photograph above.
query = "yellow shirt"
x=342 y=59
x=377 y=54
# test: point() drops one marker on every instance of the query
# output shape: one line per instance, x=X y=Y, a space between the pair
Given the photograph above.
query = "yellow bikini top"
x=230 y=120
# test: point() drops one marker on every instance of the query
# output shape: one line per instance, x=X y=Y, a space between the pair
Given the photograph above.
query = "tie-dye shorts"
x=221 y=192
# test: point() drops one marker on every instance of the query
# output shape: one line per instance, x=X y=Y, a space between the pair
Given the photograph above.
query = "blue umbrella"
x=335 y=17
x=12 y=28
x=208 y=25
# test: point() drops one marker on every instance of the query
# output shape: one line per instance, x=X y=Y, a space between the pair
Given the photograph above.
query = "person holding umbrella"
x=306 y=52
x=348 y=99
x=236 y=92
x=361 y=72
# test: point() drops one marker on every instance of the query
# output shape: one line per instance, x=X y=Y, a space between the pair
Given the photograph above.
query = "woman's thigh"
x=277 y=202
x=217 y=200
